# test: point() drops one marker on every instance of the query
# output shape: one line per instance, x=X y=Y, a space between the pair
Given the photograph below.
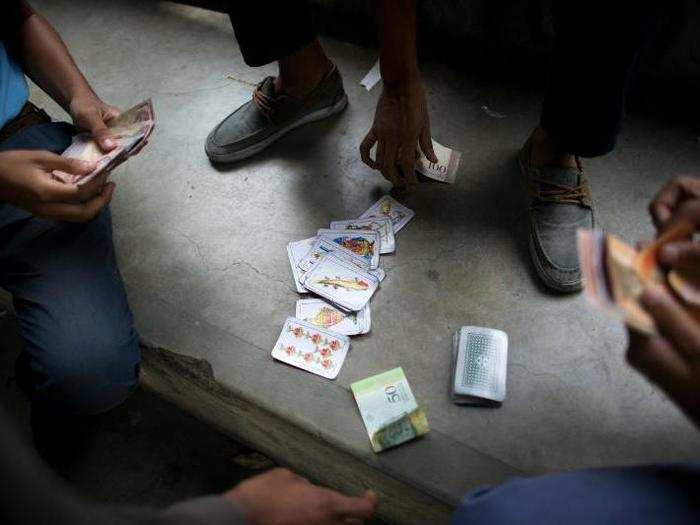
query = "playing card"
x=323 y=246
x=341 y=282
x=389 y=207
x=480 y=358
x=364 y=244
x=311 y=348
x=320 y=313
x=296 y=252
x=383 y=226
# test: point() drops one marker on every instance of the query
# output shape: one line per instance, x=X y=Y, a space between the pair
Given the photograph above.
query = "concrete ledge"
x=189 y=384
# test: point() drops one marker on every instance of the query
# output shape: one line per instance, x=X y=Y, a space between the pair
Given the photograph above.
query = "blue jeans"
x=642 y=495
x=81 y=353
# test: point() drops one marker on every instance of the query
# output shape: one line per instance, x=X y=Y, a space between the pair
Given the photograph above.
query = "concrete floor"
x=202 y=251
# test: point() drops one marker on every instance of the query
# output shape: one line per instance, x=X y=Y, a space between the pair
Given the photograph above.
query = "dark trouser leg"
x=595 y=57
x=81 y=354
x=621 y=496
x=268 y=32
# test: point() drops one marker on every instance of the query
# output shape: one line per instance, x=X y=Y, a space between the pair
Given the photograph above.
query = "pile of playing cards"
x=340 y=265
x=479 y=360
x=389 y=410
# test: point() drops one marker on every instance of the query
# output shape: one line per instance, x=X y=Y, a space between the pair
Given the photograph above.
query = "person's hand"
x=91 y=114
x=280 y=497
x=26 y=182
x=679 y=198
x=400 y=124
x=672 y=359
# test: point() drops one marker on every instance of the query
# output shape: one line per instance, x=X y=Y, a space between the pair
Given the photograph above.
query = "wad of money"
x=615 y=274
x=130 y=131
x=389 y=410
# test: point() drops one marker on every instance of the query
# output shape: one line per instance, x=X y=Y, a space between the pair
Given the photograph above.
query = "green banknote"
x=389 y=410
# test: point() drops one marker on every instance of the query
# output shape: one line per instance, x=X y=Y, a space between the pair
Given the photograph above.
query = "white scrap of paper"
x=372 y=77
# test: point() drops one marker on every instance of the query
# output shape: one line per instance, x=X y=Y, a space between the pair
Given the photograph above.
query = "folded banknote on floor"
x=130 y=131
x=389 y=410
x=615 y=274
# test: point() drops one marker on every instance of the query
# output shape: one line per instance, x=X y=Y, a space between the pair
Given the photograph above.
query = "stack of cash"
x=479 y=360
x=130 y=131
x=389 y=410
x=615 y=275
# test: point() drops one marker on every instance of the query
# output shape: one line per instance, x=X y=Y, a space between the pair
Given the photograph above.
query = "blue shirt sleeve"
x=14 y=92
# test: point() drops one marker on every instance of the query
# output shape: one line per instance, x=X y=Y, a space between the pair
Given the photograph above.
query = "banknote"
x=615 y=274
x=445 y=170
x=389 y=410
x=130 y=131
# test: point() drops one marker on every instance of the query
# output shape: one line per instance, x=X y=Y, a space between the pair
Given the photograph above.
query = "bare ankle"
x=300 y=72
x=546 y=153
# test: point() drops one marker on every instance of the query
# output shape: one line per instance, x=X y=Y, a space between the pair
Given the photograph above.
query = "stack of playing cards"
x=479 y=360
x=340 y=265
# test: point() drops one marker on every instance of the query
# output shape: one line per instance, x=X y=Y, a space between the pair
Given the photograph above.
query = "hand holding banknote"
x=678 y=201
x=90 y=114
x=128 y=132
x=401 y=124
x=26 y=182
x=616 y=274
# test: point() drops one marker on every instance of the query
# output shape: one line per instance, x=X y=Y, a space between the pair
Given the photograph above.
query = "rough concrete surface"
x=202 y=251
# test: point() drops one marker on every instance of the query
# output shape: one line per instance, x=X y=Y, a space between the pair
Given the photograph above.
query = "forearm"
x=47 y=61
x=396 y=26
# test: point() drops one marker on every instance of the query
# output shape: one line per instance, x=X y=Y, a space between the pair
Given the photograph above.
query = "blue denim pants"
x=644 y=495
x=80 y=349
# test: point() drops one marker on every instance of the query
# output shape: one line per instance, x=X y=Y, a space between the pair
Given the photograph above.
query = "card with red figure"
x=311 y=348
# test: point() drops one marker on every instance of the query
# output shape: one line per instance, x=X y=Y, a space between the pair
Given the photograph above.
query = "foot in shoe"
x=270 y=114
x=559 y=203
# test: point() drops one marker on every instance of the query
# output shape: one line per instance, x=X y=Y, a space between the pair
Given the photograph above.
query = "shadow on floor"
x=146 y=452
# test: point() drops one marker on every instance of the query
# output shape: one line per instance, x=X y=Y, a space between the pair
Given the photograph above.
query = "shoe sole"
x=251 y=150
x=541 y=272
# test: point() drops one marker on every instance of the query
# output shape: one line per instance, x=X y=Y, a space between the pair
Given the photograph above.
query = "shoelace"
x=265 y=103
x=547 y=191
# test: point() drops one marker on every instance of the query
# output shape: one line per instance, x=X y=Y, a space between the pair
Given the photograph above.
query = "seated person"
x=640 y=495
x=80 y=349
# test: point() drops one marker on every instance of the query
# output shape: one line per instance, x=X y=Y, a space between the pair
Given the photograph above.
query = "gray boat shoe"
x=559 y=203
x=268 y=116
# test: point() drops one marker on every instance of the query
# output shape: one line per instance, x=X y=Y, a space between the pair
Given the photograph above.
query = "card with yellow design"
x=341 y=282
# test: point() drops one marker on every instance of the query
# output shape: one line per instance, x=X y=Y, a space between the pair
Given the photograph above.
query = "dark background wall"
x=505 y=32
